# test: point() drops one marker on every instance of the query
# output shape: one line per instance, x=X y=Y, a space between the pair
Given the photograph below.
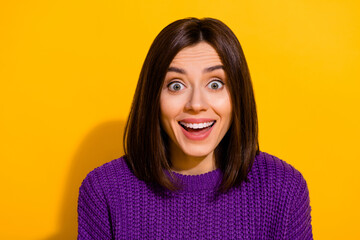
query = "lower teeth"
x=195 y=130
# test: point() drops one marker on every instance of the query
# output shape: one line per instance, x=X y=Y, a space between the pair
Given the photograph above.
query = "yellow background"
x=68 y=71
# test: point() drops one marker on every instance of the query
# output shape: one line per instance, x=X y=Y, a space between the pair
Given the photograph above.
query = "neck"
x=191 y=165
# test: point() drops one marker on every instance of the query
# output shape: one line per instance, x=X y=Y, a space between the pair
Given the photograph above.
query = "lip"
x=197 y=136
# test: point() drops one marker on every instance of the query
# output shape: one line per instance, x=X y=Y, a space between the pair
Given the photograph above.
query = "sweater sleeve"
x=300 y=218
x=93 y=213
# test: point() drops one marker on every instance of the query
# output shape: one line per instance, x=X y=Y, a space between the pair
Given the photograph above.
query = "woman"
x=192 y=167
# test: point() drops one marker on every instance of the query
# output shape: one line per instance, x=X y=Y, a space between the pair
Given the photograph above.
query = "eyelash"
x=182 y=85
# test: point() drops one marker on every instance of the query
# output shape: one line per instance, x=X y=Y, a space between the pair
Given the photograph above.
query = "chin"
x=197 y=152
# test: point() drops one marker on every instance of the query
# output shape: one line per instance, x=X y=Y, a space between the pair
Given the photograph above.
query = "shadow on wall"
x=101 y=145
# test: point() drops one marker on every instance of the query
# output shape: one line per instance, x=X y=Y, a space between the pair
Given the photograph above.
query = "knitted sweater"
x=273 y=204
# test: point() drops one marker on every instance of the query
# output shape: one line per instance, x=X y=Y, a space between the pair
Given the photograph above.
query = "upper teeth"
x=197 y=125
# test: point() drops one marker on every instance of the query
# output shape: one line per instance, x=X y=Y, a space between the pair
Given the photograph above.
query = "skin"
x=192 y=89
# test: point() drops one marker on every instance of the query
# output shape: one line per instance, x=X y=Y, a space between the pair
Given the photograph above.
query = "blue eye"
x=175 y=86
x=216 y=84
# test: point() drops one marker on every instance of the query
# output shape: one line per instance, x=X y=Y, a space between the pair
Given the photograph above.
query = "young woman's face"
x=195 y=101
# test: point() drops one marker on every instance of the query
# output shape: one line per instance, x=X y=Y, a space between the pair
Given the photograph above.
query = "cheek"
x=168 y=111
x=165 y=108
x=223 y=107
x=171 y=105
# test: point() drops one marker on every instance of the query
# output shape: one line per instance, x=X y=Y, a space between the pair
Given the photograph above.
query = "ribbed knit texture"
x=273 y=204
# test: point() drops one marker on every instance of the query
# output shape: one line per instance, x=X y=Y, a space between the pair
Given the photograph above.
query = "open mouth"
x=197 y=127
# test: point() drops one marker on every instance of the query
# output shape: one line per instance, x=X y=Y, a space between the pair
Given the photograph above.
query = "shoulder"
x=118 y=164
x=272 y=167
x=106 y=176
x=274 y=175
x=103 y=171
x=282 y=191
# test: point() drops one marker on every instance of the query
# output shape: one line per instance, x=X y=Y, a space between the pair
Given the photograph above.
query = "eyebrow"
x=206 y=70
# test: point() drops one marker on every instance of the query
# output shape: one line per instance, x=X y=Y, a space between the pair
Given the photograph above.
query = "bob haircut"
x=146 y=143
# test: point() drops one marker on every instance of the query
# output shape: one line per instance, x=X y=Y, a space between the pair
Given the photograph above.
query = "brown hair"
x=146 y=143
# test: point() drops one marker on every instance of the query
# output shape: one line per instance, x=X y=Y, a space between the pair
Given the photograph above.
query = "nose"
x=197 y=101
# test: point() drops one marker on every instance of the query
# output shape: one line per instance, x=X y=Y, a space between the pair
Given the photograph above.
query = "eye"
x=215 y=84
x=175 y=86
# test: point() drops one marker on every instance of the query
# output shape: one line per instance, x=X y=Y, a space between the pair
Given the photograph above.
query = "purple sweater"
x=273 y=204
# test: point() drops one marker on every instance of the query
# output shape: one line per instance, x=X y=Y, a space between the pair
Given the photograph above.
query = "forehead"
x=202 y=53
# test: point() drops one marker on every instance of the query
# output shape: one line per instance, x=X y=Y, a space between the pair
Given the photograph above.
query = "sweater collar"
x=206 y=181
